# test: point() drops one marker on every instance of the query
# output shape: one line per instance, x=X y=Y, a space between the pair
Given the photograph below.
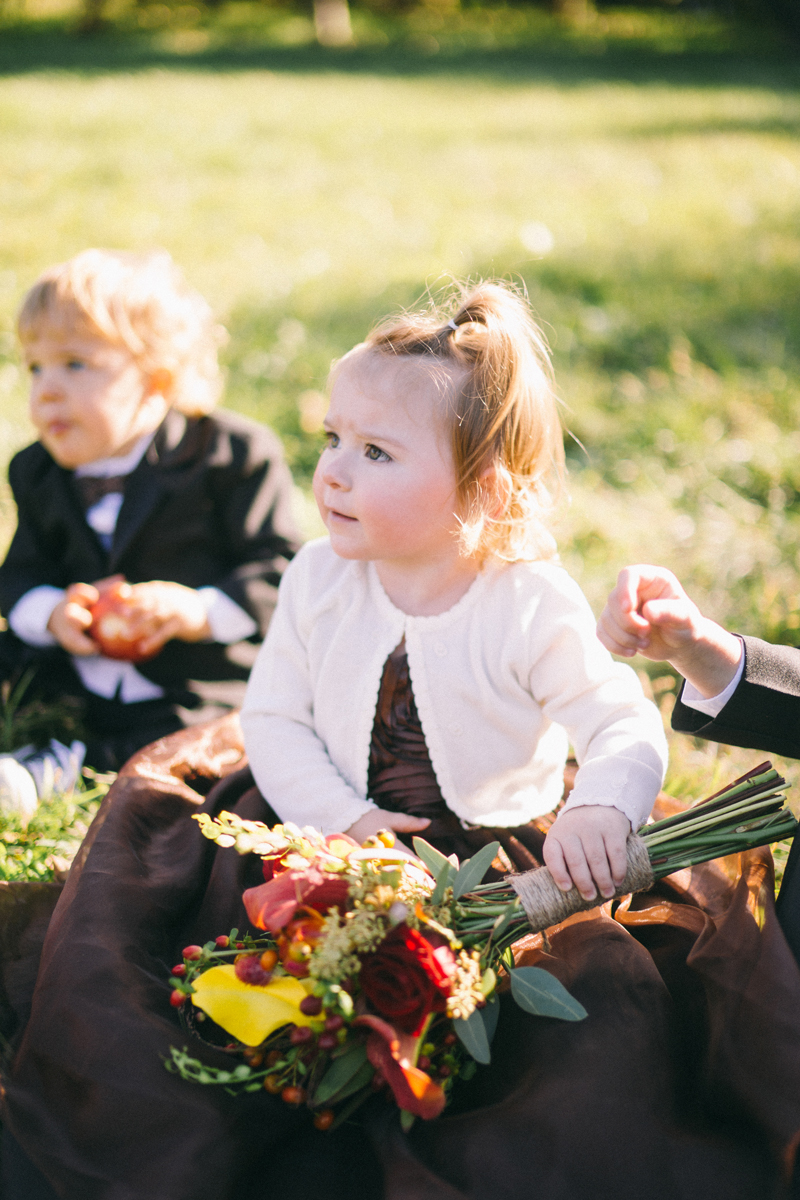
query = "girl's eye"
x=34 y=368
x=75 y=364
x=375 y=454
x=332 y=439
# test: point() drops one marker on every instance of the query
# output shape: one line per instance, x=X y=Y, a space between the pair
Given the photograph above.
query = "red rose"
x=407 y=977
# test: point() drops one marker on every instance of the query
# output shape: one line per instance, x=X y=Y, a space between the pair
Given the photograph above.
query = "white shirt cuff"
x=111 y=677
x=228 y=622
x=713 y=705
x=29 y=616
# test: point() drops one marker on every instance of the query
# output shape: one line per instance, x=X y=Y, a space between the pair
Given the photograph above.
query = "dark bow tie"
x=92 y=488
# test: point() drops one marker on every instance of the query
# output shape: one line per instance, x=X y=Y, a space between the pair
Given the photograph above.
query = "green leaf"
x=490 y=1014
x=361 y=1078
x=339 y=1073
x=472 y=1035
x=473 y=870
x=540 y=993
x=434 y=861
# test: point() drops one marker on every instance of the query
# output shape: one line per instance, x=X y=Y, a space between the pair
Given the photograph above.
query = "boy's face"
x=89 y=398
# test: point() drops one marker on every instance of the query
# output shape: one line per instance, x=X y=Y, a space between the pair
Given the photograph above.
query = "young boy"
x=134 y=477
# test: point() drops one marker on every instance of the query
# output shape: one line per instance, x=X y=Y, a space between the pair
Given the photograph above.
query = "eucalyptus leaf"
x=434 y=861
x=540 y=993
x=340 y=1072
x=473 y=870
x=490 y=1015
x=472 y=1035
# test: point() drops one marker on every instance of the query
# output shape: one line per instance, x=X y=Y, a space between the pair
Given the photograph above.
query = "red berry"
x=450 y=1039
x=423 y=1063
x=239 y=945
x=327 y=1041
x=274 y=1057
x=179 y=971
x=293 y=1095
x=268 y=960
x=300 y=1034
x=249 y=970
x=333 y=1023
x=193 y=952
x=311 y=1006
x=444 y=1071
x=222 y=942
x=177 y=998
x=272 y=1084
x=324 y=1118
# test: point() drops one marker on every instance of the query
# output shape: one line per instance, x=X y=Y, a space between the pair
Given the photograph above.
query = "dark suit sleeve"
x=31 y=561
x=764 y=711
x=254 y=502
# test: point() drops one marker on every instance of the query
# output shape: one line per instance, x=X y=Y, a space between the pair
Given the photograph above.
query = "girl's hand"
x=586 y=846
x=71 y=617
x=159 y=611
x=372 y=822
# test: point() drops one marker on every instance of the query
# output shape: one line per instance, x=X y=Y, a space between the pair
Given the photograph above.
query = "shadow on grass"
x=563 y=61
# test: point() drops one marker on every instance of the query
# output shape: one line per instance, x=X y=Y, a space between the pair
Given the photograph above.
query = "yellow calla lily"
x=248 y=1012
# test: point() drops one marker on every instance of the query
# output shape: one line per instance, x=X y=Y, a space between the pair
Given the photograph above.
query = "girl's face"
x=386 y=483
x=89 y=399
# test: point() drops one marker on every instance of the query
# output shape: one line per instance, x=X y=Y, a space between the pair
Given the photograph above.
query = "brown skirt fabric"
x=682 y=1084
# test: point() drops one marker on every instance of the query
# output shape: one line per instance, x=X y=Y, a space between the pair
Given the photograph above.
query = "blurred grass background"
x=637 y=170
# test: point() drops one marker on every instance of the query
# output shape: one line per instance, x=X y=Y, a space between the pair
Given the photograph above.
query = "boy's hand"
x=372 y=822
x=586 y=846
x=160 y=611
x=649 y=613
x=71 y=617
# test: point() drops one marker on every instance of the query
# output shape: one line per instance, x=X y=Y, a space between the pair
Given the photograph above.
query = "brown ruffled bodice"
x=402 y=779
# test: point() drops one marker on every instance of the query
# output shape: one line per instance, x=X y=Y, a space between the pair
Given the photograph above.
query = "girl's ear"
x=159 y=383
x=495 y=484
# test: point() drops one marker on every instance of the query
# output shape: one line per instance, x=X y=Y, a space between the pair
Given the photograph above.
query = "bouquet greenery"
x=381 y=972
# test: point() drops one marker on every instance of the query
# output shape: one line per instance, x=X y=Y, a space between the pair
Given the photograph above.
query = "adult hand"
x=586 y=847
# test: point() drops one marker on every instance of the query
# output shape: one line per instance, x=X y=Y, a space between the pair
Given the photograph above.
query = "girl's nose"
x=332 y=471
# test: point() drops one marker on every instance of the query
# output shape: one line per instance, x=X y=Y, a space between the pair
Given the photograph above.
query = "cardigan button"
x=440 y=649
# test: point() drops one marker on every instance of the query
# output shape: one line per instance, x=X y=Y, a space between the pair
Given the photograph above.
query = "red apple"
x=111 y=626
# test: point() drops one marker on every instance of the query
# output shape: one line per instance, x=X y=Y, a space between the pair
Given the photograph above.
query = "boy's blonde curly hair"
x=141 y=302
x=503 y=414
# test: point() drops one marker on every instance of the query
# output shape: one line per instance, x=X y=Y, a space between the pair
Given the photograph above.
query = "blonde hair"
x=141 y=302
x=503 y=414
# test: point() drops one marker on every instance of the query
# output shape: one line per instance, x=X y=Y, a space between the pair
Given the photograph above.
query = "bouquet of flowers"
x=380 y=972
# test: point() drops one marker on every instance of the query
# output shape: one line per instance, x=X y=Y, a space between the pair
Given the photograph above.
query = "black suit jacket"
x=209 y=504
x=764 y=711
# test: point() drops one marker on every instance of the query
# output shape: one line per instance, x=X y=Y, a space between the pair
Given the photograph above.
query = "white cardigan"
x=502 y=681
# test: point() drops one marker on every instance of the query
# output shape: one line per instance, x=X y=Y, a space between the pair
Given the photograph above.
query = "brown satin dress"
x=682 y=1084
x=402 y=779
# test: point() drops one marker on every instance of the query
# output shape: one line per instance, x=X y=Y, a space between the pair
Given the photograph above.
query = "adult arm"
x=764 y=711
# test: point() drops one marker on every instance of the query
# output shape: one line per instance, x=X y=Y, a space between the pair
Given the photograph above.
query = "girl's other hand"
x=586 y=847
x=372 y=822
x=72 y=616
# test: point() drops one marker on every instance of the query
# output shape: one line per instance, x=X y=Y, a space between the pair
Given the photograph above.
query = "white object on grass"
x=18 y=796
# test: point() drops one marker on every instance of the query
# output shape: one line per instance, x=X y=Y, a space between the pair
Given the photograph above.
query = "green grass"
x=639 y=173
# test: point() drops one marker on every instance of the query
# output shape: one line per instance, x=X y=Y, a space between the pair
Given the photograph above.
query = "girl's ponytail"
x=506 y=434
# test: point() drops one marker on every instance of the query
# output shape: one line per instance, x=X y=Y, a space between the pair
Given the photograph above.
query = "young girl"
x=429 y=661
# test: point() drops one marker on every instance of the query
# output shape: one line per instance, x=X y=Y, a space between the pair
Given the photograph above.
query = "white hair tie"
x=452 y=325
